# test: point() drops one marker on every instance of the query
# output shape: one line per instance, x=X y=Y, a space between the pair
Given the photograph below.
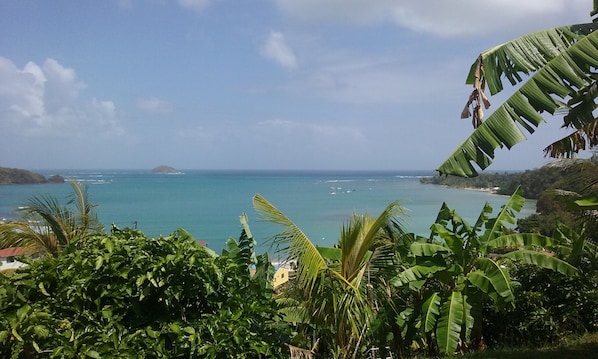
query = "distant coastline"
x=21 y=176
x=563 y=174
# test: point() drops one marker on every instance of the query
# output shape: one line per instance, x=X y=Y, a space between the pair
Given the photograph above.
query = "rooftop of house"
x=14 y=251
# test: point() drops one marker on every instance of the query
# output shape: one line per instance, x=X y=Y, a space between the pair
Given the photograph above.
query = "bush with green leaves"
x=125 y=295
x=551 y=306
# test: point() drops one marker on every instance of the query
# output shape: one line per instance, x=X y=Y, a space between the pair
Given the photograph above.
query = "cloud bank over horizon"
x=327 y=84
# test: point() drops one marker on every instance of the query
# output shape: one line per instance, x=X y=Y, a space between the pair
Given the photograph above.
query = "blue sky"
x=262 y=84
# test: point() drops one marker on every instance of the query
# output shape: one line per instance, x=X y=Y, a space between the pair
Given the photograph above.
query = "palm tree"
x=47 y=226
x=559 y=65
x=337 y=290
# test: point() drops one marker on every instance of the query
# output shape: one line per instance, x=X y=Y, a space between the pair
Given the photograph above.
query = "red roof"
x=14 y=251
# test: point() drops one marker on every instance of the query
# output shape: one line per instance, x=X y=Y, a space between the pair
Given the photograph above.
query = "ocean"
x=208 y=203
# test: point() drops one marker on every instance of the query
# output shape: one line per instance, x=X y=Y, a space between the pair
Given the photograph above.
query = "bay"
x=208 y=203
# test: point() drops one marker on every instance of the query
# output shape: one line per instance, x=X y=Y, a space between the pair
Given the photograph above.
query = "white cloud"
x=62 y=87
x=442 y=17
x=195 y=5
x=22 y=91
x=154 y=105
x=275 y=48
x=43 y=101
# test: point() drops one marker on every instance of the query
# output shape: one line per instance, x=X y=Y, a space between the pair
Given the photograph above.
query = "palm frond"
x=364 y=234
x=80 y=198
x=581 y=107
x=293 y=244
x=32 y=236
x=55 y=217
x=428 y=249
x=415 y=273
x=580 y=117
x=558 y=76
x=454 y=241
x=570 y=145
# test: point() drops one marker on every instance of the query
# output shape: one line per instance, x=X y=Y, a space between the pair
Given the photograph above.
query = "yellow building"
x=281 y=276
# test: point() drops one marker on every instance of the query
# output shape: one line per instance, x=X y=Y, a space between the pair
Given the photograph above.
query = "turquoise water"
x=208 y=203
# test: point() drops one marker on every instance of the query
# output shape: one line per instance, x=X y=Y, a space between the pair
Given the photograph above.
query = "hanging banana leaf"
x=562 y=60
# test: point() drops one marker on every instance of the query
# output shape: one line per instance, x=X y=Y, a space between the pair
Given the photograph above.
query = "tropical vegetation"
x=581 y=347
x=336 y=291
x=558 y=69
x=556 y=187
x=125 y=295
x=47 y=226
x=460 y=265
x=427 y=293
x=378 y=292
x=572 y=175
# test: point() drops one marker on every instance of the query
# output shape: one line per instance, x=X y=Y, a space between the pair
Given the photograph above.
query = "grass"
x=580 y=348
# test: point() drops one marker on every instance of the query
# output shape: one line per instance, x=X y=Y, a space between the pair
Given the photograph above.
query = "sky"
x=261 y=84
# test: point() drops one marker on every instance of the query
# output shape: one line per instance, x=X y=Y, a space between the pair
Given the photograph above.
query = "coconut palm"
x=559 y=67
x=46 y=226
x=337 y=290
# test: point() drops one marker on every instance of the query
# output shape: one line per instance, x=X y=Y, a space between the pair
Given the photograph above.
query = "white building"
x=8 y=255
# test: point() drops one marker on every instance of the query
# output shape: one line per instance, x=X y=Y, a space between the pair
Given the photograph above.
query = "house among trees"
x=8 y=257
x=281 y=277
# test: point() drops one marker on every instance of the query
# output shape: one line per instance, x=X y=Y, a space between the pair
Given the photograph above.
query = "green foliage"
x=125 y=295
x=559 y=189
x=574 y=176
x=558 y=67
x=47 y=225
x=551 y=305
x=336 y=291
x=460 y=266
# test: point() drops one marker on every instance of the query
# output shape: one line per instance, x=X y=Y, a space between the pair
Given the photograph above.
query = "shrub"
x=549 y=307
x=124 y=295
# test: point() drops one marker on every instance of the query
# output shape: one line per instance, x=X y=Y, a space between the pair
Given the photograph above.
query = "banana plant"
x=558 y=69
x=461 y=265
x=575 y=247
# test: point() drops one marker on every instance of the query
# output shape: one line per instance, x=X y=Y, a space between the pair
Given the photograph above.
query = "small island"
x=164 y=169
x=20 y=176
